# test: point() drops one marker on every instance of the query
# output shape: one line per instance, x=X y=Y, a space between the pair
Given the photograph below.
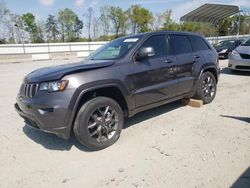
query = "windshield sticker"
x=131 y=40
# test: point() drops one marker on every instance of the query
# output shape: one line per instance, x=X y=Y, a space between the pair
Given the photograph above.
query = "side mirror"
x=145 y=52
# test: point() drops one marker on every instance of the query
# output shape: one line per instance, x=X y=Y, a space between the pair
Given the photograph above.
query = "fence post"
x=49 y=51
x=70 y=47
x=89 y=46
x=24 y=49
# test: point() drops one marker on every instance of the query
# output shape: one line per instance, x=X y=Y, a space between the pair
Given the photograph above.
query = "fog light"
x=45 y=110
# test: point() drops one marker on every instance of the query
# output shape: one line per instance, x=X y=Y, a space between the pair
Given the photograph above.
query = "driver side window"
x=160 y=44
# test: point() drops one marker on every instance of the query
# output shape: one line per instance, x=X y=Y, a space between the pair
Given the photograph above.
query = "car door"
x=185 y=61
x=153 y=78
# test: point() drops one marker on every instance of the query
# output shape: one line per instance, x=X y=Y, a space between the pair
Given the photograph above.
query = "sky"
x=42 y=8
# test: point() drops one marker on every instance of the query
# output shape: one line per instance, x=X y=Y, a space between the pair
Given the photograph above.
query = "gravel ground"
x=169 y=146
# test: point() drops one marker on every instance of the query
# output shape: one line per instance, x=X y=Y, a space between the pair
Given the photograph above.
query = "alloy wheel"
x=208 y=87
x=103 y=123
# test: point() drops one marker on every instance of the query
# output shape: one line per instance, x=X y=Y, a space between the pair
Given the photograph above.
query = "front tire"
x=206 y=88
x=99 y=123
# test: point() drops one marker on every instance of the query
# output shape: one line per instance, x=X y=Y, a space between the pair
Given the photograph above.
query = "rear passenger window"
x=160 y=45
x=198 y=43
x=181 y=44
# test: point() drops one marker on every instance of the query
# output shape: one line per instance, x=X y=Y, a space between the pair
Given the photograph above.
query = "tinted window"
x=160 y=45
x=181 y=44
x=224 y=44
x=198 y=43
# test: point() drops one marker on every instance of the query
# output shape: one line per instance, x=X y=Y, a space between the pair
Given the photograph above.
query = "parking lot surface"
x=169 y=146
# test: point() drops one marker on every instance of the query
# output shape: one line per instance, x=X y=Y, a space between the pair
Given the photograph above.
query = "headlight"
x=223 y=51
x=235 y=54
x=54 y=86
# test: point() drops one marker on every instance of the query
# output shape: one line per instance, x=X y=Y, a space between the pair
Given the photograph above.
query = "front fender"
x=92 y=86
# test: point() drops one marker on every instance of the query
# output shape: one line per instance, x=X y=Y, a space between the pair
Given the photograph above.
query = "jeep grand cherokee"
x=126 y=76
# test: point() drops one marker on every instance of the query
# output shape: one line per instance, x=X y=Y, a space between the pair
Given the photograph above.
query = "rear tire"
x=99 y=123
x=206 y=88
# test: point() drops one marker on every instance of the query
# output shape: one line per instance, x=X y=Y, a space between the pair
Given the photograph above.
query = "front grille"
x=242 y=67
x=245 y=56
x=29 y=90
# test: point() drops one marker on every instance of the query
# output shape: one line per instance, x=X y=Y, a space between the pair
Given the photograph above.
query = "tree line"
x=111 y=23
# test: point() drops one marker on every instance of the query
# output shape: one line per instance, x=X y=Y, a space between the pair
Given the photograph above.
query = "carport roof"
x=210 y=13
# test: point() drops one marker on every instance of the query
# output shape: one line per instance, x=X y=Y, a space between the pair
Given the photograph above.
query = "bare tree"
x=105 y=21
x=89 y=17
x=19 y=28
x=158 y=21
x=10 y=27
x=96 y=23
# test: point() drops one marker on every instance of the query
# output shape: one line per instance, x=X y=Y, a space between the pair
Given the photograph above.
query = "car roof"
x=230 y=40
x=162 y=32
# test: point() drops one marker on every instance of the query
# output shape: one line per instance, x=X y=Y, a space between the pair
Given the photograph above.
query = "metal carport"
x=213 y=14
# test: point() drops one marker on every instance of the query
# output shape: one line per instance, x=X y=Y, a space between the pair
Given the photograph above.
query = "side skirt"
x=157 y=104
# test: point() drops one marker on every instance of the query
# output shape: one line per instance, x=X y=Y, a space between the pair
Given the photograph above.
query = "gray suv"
x=124 y=77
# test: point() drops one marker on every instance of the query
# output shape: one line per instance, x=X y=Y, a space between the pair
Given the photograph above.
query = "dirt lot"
x=170 y=146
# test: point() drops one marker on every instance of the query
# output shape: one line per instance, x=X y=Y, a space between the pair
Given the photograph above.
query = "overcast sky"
x=42 y=8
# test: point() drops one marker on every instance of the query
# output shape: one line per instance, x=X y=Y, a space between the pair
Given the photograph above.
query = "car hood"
x=57 y=72
x=243 y=49
x=218 y=49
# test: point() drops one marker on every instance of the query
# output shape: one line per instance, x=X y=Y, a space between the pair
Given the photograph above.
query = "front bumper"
x=47 y=117
x=239 y=64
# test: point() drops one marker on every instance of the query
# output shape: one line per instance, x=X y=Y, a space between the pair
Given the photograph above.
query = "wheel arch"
x=113 y=91
x=211 y=69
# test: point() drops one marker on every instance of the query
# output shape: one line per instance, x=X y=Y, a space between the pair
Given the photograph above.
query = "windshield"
x=115 y=49
x=224 y=44
x=247 y=43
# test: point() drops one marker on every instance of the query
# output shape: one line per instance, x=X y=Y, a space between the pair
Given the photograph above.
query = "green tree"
x=167 y=18
x=52 y=28
x=145 y=21
x=30 y=26
x=78 y=27
x=119 y=19
x=70 y=24
x=226 y=26
x=41 y=29
x=141 y=18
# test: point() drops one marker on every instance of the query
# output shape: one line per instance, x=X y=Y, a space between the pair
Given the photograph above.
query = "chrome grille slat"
x=37 y=86
x=29 y=90
x=26 y=90
x=23 y=88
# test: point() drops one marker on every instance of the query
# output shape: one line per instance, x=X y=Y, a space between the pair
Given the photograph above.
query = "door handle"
x=196 y=56
x=168 y=61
